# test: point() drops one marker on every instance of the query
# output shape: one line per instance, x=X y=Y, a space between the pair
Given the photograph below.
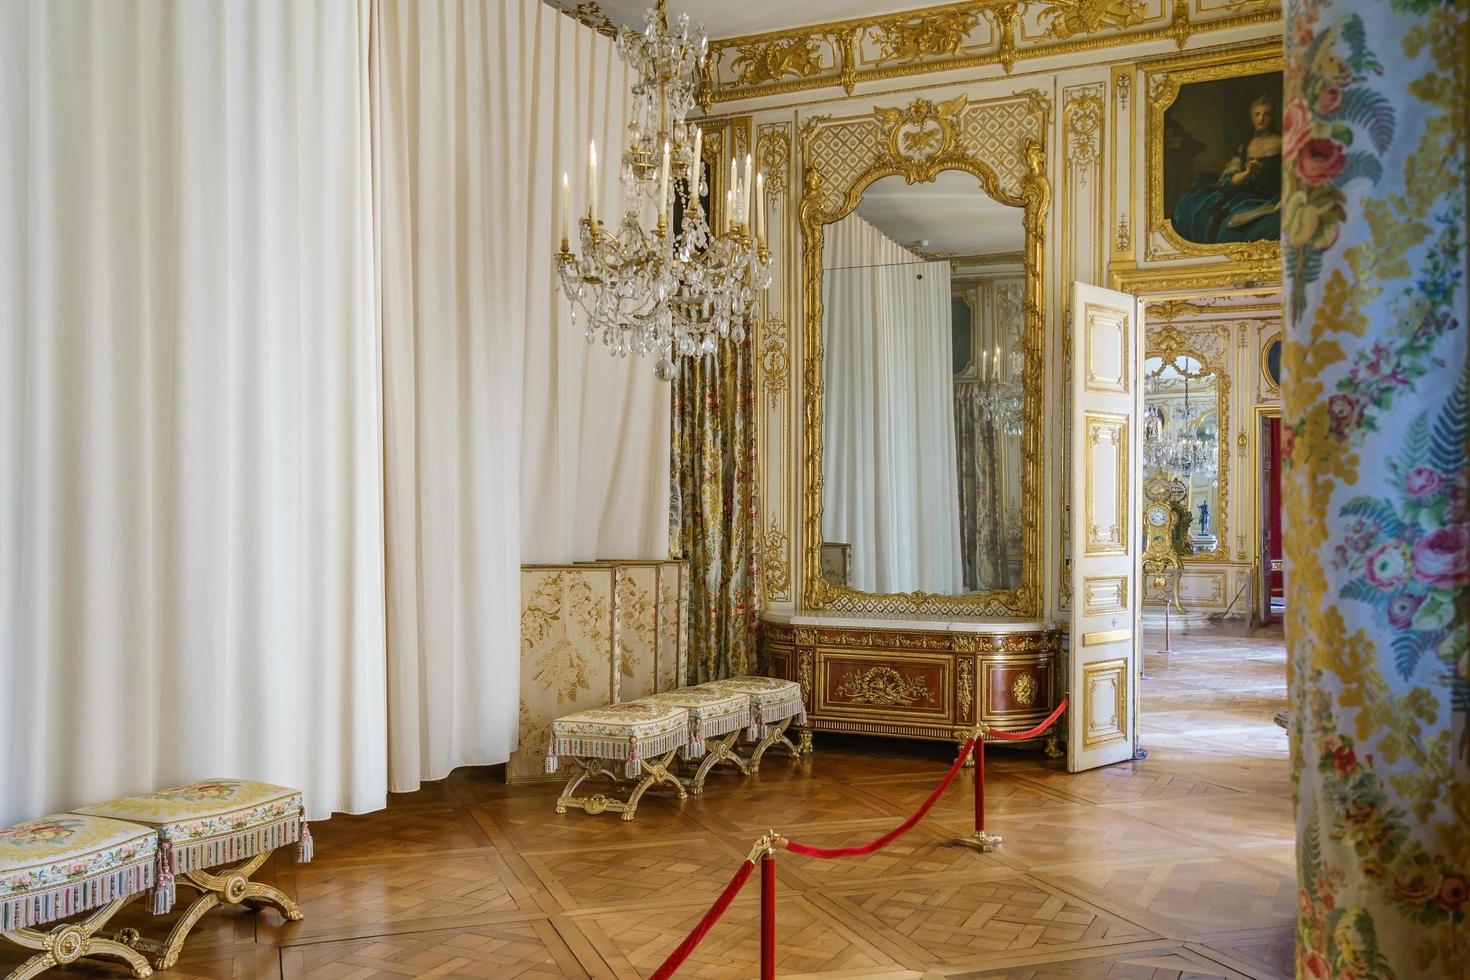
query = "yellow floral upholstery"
x=66 y=863
x=711 y=713
x=213 y=821
x=633 y=731
x=772 y=700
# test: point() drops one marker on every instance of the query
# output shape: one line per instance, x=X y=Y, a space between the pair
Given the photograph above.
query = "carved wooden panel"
x=1106 y=356
x=1016 y=688
x=884 y=686
x=1104 y=702
x=1104 y=594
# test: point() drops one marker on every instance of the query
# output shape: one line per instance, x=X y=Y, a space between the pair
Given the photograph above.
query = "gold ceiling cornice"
x=951 y=36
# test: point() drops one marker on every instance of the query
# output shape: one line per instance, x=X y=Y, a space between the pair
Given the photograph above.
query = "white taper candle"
x=592 y=180
x=566 y=207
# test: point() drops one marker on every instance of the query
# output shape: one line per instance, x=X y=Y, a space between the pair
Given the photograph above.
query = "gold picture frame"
x=1001 y=144
x=1163 y=81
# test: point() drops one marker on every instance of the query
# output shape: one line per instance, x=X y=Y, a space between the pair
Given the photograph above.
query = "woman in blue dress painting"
x=1243 y=204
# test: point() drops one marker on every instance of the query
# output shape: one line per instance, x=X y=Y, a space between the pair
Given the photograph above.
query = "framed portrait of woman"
x=1214 y=154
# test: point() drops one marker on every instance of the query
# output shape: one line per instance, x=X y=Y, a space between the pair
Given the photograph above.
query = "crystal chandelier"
x=1001 y=399
x=1185 y=448
x=675 y=288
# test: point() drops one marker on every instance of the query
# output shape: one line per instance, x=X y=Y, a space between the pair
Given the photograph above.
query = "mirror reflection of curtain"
x=988 y=460
x=982 y=543
x=888 y=459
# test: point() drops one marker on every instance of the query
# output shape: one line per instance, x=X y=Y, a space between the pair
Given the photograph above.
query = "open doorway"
x=1271 y=599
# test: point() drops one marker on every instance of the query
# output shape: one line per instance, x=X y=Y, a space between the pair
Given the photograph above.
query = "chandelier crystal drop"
x=648 y=284
x=1181 y=446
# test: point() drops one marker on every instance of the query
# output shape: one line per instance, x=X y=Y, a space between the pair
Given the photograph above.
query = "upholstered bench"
x=60 y=866
x=642 y=736
x=209 y=823
x=716 y=719
x=774 y=705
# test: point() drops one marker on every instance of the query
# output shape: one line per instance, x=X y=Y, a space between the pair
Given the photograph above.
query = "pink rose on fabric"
x=1344 y=759
x=1329 y=100
x=1296 y=129
x=1442 y=557
x=1315 y=965
x=1401 y=609
x=1422 y=481
x=1387 y=567
x=1453 y=892
x=1319 y=161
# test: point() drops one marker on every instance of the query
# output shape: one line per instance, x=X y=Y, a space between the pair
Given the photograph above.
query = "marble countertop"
x=907 y=621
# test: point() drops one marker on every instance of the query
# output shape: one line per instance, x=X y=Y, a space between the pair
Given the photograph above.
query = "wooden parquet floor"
x=1180 y=865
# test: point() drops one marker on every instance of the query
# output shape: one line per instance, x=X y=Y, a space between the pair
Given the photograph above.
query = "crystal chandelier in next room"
x=647 y=283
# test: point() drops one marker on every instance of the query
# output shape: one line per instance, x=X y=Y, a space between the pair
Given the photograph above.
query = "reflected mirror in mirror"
x=922 y=290
x=1181 y=436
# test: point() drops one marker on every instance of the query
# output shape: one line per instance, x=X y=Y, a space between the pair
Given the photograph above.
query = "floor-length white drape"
x=888 y=446
x=508 y=439
x=191 y=571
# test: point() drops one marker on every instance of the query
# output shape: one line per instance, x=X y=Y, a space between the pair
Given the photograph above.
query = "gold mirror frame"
x=921 y=142
x=1170 y=344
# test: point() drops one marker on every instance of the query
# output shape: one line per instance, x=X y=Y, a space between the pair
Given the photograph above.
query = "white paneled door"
x=1106 y=540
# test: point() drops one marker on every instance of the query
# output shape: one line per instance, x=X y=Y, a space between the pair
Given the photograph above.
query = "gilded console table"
x=915 y=677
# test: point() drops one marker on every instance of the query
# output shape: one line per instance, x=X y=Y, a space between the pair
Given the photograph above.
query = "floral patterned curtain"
x=1377 y=539
x=713 y=515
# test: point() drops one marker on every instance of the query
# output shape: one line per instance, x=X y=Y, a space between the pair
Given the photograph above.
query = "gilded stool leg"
x=717 y=751
x=775 y=735
x=654 y=771
x=231 y=886
x=69 y=942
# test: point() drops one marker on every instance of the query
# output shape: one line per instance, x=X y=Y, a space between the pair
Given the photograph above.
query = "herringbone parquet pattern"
x=1177 y=866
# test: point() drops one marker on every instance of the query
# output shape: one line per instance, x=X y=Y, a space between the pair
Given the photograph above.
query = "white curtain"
x=888 y=446
x=508 y=438
x=191 y=514
x=285 y=394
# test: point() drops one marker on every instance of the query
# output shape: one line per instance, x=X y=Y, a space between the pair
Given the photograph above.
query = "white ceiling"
x=724 y=18
x=952 y=214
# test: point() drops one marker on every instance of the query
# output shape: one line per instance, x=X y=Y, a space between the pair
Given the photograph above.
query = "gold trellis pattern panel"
x=593 y=634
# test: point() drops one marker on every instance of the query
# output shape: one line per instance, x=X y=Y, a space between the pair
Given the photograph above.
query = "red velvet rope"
x=896 y=832
x=677 y=957
x=1030 y=733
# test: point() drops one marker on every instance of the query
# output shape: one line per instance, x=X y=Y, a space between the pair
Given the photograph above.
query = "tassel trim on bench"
x=35 y=908
x=628 y=750
x=305 y=847
x=164 y=893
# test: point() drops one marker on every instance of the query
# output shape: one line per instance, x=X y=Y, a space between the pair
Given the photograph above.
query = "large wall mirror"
x=924 y=386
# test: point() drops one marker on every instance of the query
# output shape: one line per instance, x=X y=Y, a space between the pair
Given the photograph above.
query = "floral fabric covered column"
x=1376 y=537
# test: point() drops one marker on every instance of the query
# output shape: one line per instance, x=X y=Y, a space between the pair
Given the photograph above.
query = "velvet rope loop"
x=896 y=832
x=1030 y=732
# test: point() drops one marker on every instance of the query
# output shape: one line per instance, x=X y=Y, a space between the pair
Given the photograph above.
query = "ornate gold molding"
x=952 y=36
x=1000 y=143
x=882 y=686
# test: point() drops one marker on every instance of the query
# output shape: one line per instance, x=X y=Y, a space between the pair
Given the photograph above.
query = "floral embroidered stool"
x=205 y=824
x=715 y=721
x=641 y=735
x=63 y=865
x=774 y=705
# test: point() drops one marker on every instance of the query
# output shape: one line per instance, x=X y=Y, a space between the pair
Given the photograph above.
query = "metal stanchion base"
x=978 y=841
